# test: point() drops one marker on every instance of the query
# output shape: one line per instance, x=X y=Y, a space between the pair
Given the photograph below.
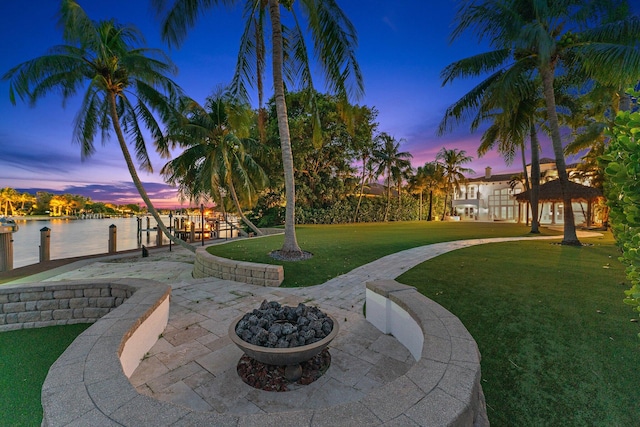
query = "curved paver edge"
x=443 y=387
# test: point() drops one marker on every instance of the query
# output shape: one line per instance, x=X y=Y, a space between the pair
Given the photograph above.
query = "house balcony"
x=467 y=202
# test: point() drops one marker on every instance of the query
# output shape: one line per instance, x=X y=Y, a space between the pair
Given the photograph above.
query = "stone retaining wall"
x=445 y=381
x=58 y=303
x=92 y=374
x=207 y=265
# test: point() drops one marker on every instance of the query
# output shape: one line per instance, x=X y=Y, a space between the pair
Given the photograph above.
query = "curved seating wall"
x=446 y=376
x=90 y=378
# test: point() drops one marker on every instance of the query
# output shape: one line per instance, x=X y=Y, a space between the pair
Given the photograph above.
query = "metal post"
x=227 y=227
x=113 y=234
x=170 y=218
x=202 y=222
x=45 y=244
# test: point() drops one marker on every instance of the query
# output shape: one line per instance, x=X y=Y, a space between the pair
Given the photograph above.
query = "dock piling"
x=113 y=231
x=45 y=244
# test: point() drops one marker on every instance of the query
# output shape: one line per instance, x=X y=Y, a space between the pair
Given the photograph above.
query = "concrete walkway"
x=194 y=362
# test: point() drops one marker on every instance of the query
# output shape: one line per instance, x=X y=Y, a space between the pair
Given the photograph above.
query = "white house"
x=491 y=198
x=487 y=198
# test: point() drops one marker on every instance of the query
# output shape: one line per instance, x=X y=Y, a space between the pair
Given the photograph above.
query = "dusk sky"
x=402 y=50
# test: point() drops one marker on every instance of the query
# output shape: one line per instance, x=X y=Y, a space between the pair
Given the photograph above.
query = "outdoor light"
x=170 y=219
x=202 y=223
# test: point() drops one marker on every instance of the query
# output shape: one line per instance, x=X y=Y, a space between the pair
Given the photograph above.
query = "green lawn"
x=557 y=344
x=338 y=249
x=25 y=358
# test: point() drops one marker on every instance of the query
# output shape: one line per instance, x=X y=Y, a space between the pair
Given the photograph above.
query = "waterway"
x=79 y=237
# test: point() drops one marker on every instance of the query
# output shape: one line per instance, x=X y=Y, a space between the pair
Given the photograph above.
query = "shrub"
x=621 y=162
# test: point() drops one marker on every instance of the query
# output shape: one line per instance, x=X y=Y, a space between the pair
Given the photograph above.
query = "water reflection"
x=71 y=238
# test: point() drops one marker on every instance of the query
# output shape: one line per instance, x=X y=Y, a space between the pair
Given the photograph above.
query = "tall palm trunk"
x=364 y=176
x=134 y=175
x=420 y=209
x=290 y=246
x=444 y=209
x=386 y=211
x=236 y=202
x=570 y=237
x=429 y=215
x=535 y=180
x=527 y=186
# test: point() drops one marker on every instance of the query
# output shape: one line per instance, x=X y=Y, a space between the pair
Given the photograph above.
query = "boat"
x=8 y=225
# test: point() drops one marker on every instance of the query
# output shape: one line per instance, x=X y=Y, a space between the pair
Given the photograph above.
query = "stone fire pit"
x=292 y=355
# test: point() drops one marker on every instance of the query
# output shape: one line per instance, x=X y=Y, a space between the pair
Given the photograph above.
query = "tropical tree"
x=434 y=176
x=417 y=185
x=324 y=174
x=361 y=130
x=594 y=39
x=126 y=86
x=453 y=172
x=217 y=155
x=597 y=112
x=8 y=196
x=510 y=100
x=390 y=162
x=512 y=122
x=57 y=204
x=334 y=39
x=25 y=198
x=427 y=178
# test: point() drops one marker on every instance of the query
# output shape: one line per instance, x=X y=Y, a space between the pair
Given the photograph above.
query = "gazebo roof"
x=550 y=192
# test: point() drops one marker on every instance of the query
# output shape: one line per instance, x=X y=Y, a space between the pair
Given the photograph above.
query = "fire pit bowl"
x=282 y=356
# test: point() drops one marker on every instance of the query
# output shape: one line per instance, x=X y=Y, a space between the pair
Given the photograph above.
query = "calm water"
x=71 y=238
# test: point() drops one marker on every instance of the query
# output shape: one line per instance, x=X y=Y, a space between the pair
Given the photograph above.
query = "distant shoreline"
x=47 y=217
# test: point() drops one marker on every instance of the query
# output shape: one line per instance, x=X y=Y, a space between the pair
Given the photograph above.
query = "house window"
x=502 y=206
x=472 y=194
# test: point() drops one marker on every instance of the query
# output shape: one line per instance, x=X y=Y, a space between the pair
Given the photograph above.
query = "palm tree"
x=390 y=162
x=590 y=40
x=125 y=85
x=434 y=179
x=26 y=198
x=56 y=205
x=360 y=128
x=217 y=154
x=8 y=196
x=453 y=172
x=417 y=185
x=509 y=130
x=334 y=39
x=509 y=98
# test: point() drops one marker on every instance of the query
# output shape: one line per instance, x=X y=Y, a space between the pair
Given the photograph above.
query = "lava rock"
x=276 y=329
x=277 y=326
x=288 y=329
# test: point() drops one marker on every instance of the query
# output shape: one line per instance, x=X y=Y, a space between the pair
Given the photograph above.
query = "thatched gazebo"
x=550 y=192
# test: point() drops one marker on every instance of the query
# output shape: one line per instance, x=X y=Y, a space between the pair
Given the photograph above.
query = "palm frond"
x=250 y=55
x=475 y=65
x=623 y=62
x=468 y=105
x=586 y=138
x=180 y=16
x=335 y=42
